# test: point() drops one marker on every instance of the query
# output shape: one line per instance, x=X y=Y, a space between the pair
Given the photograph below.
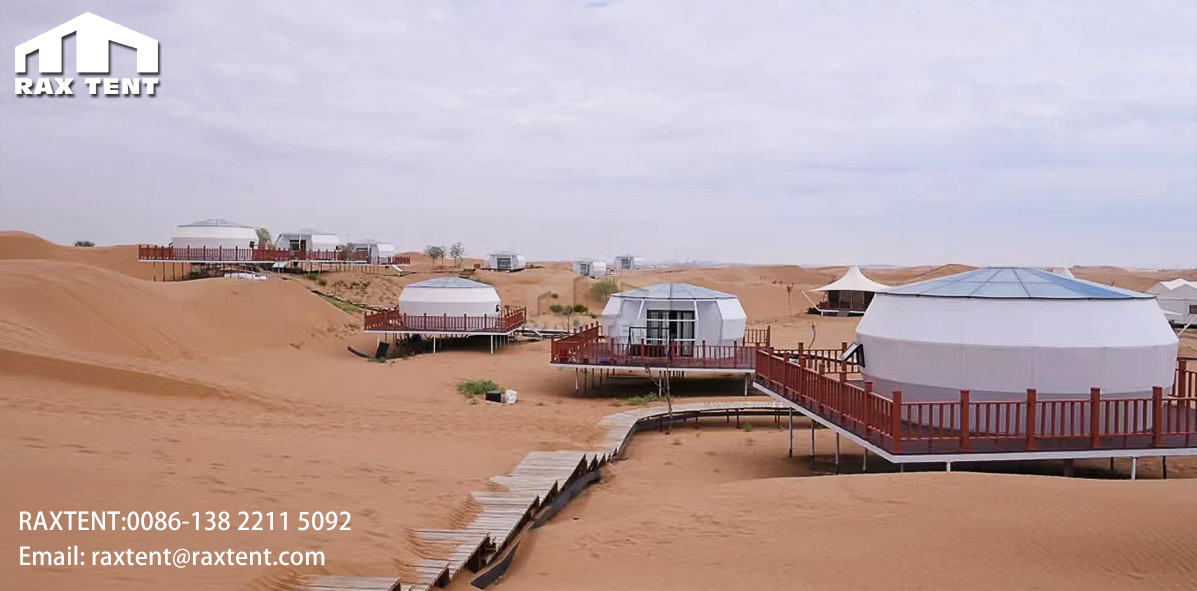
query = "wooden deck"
x=534 y=482
x=1088 y=422
x=170 y=254
x=394 y=321
x=587 y=347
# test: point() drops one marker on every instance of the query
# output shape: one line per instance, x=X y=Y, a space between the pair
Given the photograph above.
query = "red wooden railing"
x=964 y=425
x=394 y=320
x=262 y=255
x=587 y=346
x=760 y=337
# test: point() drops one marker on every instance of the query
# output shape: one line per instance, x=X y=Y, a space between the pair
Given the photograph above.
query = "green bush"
x=85 y=243
x=312 y=276
x=812 y=310
x=603 y=289
x=322 y=281
x=556 y=308
x=472 y=388
x=580 y=309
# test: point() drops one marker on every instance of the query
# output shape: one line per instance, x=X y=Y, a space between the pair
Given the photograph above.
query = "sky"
x=1050 y=133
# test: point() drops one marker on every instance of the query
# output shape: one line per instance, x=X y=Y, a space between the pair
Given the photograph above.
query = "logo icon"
x=93 y=34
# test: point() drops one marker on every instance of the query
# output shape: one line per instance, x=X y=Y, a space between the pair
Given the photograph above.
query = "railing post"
x=1032 y=417
x=1094 y=416
x=1181 y=388
x=964 y=419
x=895 y=427
x=868 y=402
x=1157 y=414
x=799 y=353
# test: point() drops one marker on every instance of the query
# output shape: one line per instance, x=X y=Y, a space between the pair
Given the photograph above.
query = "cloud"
x=879 y=132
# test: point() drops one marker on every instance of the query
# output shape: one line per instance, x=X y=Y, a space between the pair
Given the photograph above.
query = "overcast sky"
x=885 y=132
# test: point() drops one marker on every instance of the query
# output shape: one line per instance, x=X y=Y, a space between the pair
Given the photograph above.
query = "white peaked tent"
x=452 y=296
x=999 y=331
x=505 y=260
x=674 y=313
x=308 y=239
x=1178 y=296
x=214 y=233
x=1063 y=272
x=590 y=268
x=851 y=293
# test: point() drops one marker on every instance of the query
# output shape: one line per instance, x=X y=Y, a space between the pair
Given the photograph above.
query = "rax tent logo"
x=93 y=35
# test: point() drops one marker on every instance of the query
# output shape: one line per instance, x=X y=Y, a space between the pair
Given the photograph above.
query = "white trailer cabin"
x=214 y=233
x=505 y=260
x=1178 y=296
x=308 y=240
x=590 y=268
x=628 y=262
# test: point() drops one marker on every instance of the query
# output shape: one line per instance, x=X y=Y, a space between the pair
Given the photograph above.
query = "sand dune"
x=118 y=392
x=892 y=531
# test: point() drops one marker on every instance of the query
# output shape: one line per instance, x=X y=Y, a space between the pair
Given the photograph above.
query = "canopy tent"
x=452 y=296
x=999 y=331
x=674 y=313
x=851 y=293
x=214 y=233
x=1178 y=299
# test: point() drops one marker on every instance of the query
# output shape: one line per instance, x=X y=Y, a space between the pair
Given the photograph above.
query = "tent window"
x=1192 y=308
x=670 y=326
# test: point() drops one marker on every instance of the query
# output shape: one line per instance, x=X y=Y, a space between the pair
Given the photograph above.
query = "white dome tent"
x=628 y=262
x=1063 y=272
x=1178 y=299
x=1000 y=331
x=214 y=233
x=850 y=294
x=590 y=268
x=450 y=296
x=373 y=250
x=675 y=313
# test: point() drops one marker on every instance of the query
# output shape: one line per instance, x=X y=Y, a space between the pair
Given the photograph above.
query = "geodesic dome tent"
x=309 y=240
x=505 y=260
x=1178 y=296
x=999 y=331
x=674 y=312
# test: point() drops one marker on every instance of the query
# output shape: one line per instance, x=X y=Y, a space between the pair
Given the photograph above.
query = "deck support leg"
x=864 y=461
x=1111 y=464
x=812 y=446
x=576 y=381
x=791 y=432
x=1134 y=468
x=746 y=384
x=1069 y=464
x=947 y=466
x=901 y=468
x=492 y=344
x=837 y=453
x=1164 y=462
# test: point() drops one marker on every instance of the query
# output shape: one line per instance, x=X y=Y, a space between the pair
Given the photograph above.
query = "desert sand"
x=120 y=393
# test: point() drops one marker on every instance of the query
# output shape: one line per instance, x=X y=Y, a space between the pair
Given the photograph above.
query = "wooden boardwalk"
x=534 y=483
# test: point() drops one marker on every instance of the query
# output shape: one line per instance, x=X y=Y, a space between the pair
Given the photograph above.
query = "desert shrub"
x=556 y=308
x=86 y=243
x=580 y=309
x=554 y=295
x=643 y=400
x=603 y=289
x=812 y=310
x=472 y=388
x=322 y=281
x=312 y=276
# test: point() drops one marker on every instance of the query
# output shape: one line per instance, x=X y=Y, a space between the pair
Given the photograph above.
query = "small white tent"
x=625 y=262
x=1178 y=296
x=375 y=250
x=1063 y=272
x=452 y=296
x=214 y=233
x=999 y=331
x=505 y=260
x=851 y=293
x=309 y=240
x=590 y=268
x=674 y=313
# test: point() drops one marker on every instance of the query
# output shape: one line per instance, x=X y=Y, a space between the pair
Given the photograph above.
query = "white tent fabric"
x=313 y=240
x=853 y=280
x=505 y=261
x=590 y=268
x=931 y=346
x=214 y=233
x=1178 y=299
x=450 y=295
x=1063 y=272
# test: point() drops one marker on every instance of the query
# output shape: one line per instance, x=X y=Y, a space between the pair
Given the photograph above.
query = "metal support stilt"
x=864 y=462
x=492 y=344
x=812 y=445
x=948 y=466
x=746 y=384
x=791 y=432
x=1134 y=468
x=577 y=383
x=837 y=453
x=901 y=468
x=1164 y=462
